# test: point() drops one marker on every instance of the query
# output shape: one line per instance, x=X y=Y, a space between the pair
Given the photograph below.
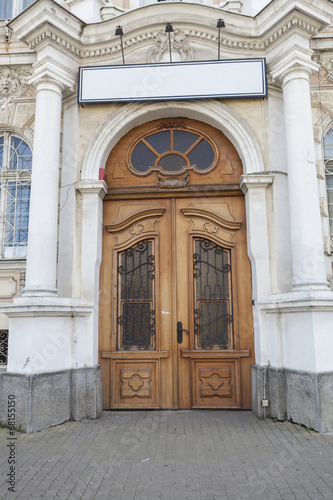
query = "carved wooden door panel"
x=175 y=305
x=136 y=321
x=213 y=304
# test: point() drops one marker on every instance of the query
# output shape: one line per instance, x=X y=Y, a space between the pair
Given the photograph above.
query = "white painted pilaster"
x=92 y=193
x=68 y=259
x=254 y=187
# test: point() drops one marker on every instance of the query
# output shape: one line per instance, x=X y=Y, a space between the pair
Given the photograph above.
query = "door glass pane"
x=202 y=155
x=142 y=158
x=160 y=141
x=136 y=307
x=172 y=163
x=212 y=289
x=183 y=140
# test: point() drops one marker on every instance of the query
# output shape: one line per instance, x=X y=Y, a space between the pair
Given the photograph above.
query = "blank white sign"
x=229 y=78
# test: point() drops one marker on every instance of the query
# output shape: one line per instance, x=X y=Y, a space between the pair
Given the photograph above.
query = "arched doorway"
x=175 y=310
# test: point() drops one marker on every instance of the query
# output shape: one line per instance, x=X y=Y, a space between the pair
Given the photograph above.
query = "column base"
x=303 y=397
x=46 y=399
x=39 y=292
x=310 y=286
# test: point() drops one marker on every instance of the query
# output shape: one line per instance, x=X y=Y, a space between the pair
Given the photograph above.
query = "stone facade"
x=53 y=323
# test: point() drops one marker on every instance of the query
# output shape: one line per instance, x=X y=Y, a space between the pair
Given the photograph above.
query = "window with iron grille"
x=15 y=184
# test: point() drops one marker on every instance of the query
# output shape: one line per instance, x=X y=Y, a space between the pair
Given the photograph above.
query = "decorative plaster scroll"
x=173 y=182
x=322 y=97
x=13 y=84
x=179 y=42
x=326 y=61
x=320 y=78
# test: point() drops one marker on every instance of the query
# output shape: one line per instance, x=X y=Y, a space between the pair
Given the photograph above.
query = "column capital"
x=295 y=63
x=92 y=187
x=50 y=73
x=256 y=180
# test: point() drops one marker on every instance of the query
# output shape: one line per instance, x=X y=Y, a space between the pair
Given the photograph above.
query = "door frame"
x=178 y=354
x=92 y=192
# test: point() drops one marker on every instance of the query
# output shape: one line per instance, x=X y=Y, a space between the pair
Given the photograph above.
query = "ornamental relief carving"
x=179 y=43
x=215 y=382
x=147 y=227
x=322 y=97
x=136 y=383
x=173 y=182
x=13 y=84
x=22 y=281
x=326 y=72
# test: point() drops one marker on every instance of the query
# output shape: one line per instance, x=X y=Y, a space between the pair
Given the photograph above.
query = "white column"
x=305 y=224
x=43 y=217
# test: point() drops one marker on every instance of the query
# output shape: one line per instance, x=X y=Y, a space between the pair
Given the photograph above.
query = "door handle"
x=180 y=331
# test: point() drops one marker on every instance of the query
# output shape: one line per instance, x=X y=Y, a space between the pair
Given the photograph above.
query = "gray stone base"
x=303 y=397
x=47 y=399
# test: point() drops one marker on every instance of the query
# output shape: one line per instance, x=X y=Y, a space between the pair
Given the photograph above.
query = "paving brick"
x=193 y=455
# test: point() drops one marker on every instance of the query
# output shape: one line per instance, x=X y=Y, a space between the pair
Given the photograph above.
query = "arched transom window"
x=172 y=150
x=15 y=182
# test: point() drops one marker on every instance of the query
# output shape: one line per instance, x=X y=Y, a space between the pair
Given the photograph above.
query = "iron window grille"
x=136 y=297
x=3 y=347
x=213 y=316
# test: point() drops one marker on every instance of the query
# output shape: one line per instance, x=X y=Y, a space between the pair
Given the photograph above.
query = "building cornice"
x=112 y=46
x=47 y=22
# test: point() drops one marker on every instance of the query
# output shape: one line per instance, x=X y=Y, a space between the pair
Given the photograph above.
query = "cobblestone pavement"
x=197 y=455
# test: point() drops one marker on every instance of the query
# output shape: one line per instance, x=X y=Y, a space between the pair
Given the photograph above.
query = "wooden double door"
x=176 y=325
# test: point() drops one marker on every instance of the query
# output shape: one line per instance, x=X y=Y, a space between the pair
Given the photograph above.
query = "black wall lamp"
x=169 y=29
x=220 y=24
x=119 y=32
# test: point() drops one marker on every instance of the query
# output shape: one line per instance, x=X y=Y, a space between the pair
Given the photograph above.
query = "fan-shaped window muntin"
x=172 y=151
